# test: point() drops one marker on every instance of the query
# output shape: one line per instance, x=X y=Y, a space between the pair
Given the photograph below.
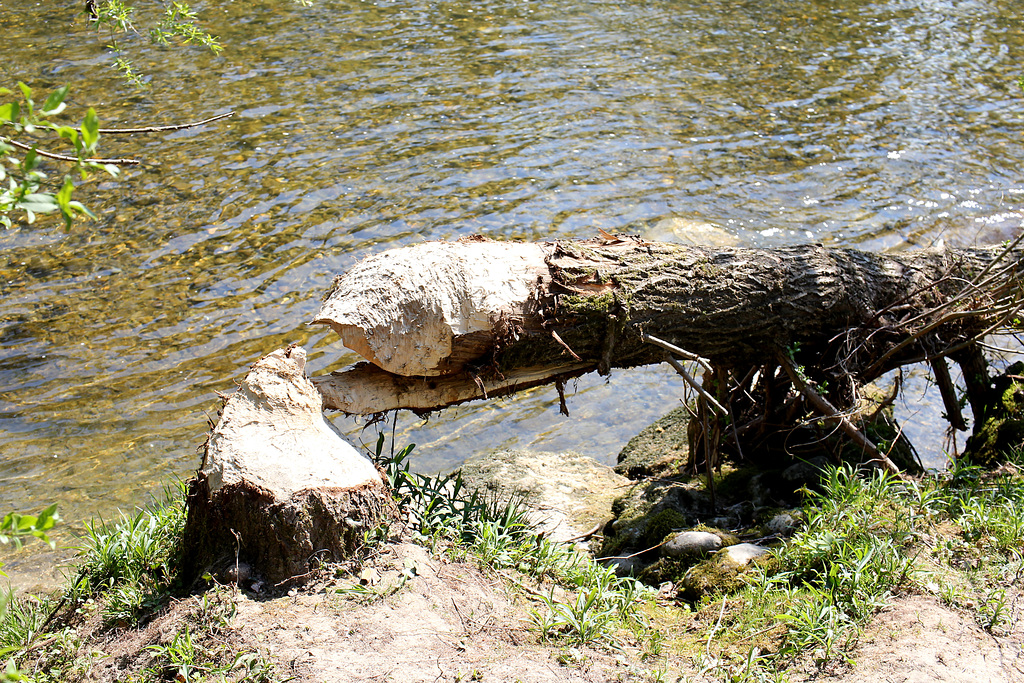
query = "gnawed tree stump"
x=279 y=488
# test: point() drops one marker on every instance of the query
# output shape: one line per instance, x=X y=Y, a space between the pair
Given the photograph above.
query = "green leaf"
x=67 y=211
x=79 y=207
x=55 y=102
x=68 y=133
x=90 y=129
x=10 y=112
x=31 y=160
x=38 y=203
x=11 y=673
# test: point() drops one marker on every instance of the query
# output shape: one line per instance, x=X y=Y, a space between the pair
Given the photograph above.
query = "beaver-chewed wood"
x=279 y=489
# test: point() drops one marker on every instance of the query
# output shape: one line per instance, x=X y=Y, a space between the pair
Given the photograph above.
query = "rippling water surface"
x=361 y=126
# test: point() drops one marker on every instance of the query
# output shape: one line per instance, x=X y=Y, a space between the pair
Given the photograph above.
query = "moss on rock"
x=660 y=448
x=649 y=511
x=716 y=575
x=1001 y=430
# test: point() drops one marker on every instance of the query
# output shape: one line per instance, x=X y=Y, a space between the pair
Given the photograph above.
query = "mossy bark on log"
x=588 y=304
x=279 y=488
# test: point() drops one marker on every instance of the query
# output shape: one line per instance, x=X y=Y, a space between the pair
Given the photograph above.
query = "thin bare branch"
x=696 y=385
x=826 y=409
x=678 y=351
x=161 y=129
x=64 y=157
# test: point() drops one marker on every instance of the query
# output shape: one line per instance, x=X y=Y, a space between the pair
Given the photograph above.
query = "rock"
x=805 y=472
x=743 y=553
x=692 y=544
x=1000 y=432
x=651 y=510
x=721 y=573
x=781 y=488
x=623 y=566
x=279 y=488
x=659 y=449
x=783 y=524
x=569 y=493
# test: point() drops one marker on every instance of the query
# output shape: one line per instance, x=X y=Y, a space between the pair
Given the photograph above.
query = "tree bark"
x=839 y=312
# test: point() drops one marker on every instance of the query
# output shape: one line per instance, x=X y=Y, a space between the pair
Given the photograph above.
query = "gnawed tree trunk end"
x=279 y=489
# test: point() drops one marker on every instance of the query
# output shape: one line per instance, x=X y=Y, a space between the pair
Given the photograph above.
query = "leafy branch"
x=16 y=526
x=179 y=23
x=26 y=187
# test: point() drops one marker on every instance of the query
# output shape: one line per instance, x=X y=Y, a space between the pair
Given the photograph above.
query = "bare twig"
x=582 y=537
x=714 y=630
x=1007 y=311
x=678 y=351
x=829 y=412
x=695 y=384
x=897 y=384
x=948 y=392
x=554 y=335
x=65 y=157
x=627 y=557
x=1009 y=248
x=113 y=131
x=161 y=129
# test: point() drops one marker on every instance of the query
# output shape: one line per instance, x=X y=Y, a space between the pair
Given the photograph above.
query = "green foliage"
x=18 y=623
x=867 y=537
x=24 y=186
x=131 y=563
x=201 y=649
x=178 y=24
x=15 y=526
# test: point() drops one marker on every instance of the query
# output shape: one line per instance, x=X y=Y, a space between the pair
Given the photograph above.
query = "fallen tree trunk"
x=476 y=314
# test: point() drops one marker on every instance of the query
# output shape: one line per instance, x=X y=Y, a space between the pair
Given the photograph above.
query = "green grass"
x=129 y=565
x=869 y=537
x=126 y=570
x=591 y=603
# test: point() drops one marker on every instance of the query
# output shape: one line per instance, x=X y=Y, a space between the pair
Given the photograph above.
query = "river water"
x=361 y=126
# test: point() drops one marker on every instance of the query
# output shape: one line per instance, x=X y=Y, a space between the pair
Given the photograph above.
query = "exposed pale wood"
x=279 y=488
x=431 y=308
x=476 y=312
x=365 y=389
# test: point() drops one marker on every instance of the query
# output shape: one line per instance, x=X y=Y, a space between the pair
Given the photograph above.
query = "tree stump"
x=279 y=488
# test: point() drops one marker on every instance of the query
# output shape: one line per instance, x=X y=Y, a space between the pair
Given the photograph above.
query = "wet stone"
x=691 y=544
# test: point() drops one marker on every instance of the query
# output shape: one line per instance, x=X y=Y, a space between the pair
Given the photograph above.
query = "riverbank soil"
x=863 y=576
x=417 y=617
